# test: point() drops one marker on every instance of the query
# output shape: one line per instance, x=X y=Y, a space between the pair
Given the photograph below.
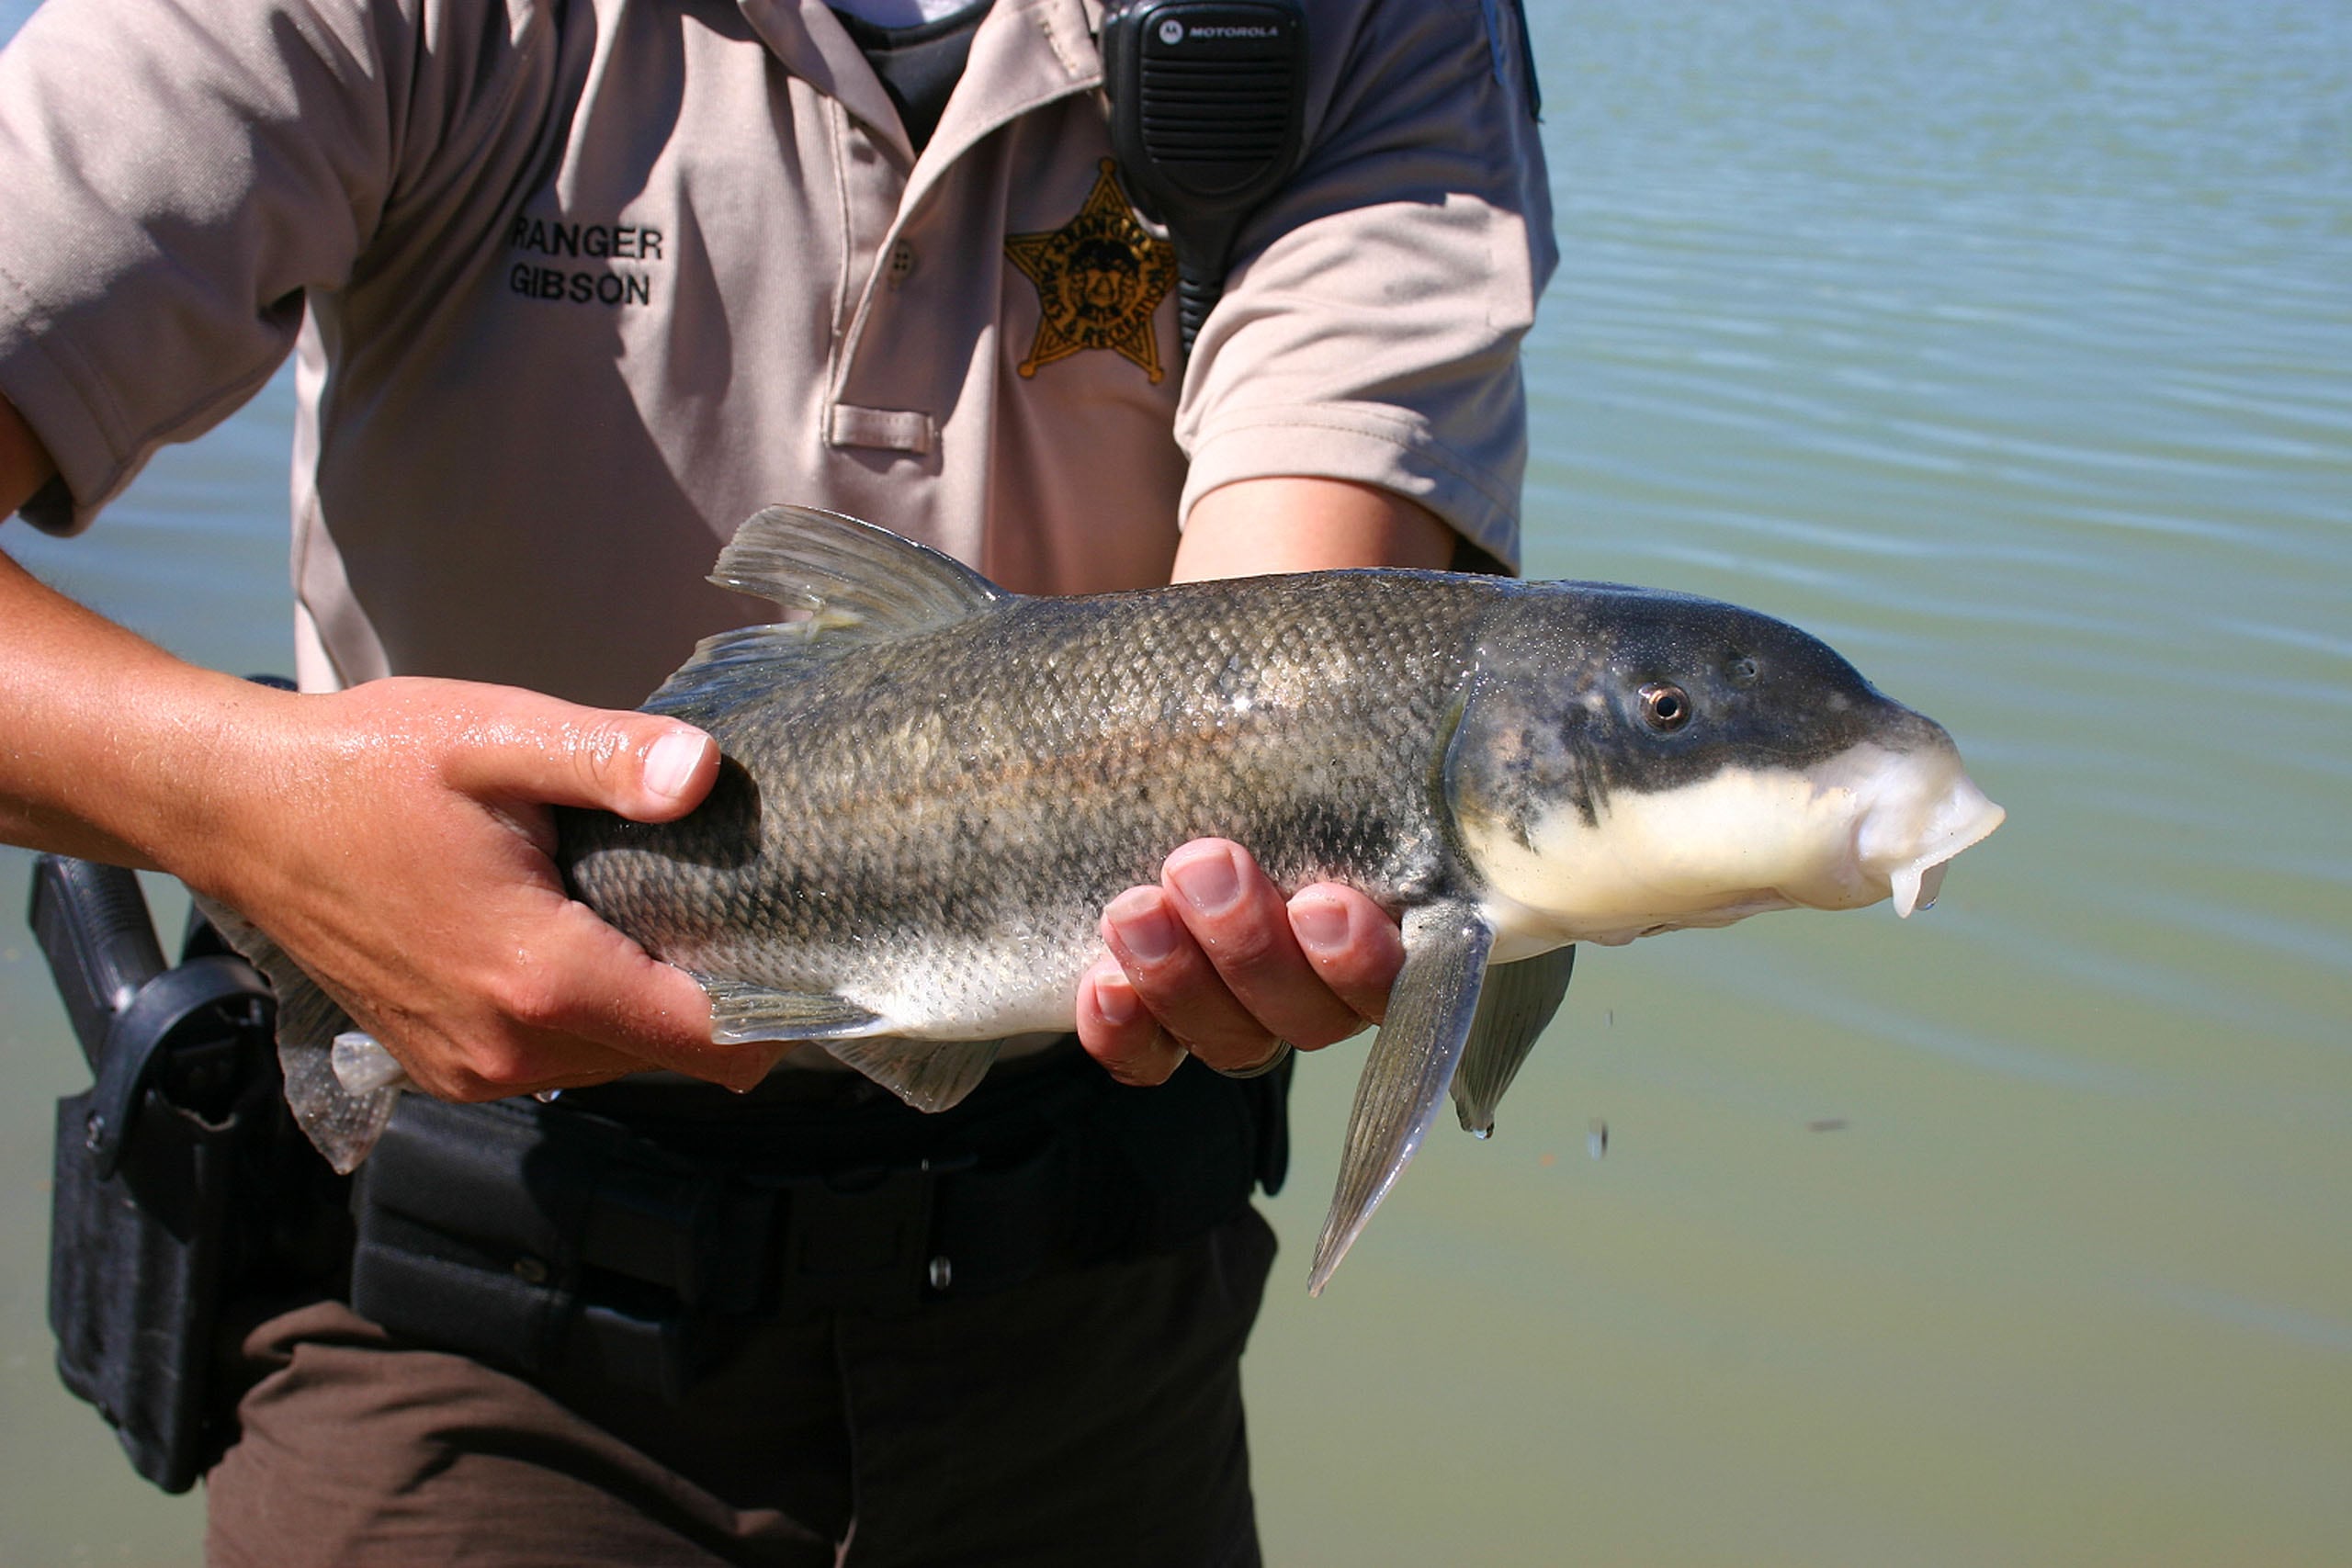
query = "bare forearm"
x=110 y=749
x=394 y=838
x=110 y=741
x=1257 y=526
x=88 y=711
x=25 y=464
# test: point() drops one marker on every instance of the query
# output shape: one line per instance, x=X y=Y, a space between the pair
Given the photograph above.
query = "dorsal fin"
x=859 y=584
x=853 y=577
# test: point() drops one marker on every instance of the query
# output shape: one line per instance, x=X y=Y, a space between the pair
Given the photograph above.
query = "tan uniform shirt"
x=576 y=287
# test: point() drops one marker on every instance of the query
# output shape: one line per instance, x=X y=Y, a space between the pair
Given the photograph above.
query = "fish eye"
x=1665 y=707
x=1740 y=669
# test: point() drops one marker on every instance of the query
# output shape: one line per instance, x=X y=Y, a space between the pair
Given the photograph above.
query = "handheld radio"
x=1207 y=105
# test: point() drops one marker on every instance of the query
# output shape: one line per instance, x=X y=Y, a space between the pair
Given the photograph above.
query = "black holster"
x=153 y=1269
x=135 y=1270
x=180 y=1182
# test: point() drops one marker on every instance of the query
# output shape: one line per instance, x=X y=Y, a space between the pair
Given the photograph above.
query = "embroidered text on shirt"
x=596 y=241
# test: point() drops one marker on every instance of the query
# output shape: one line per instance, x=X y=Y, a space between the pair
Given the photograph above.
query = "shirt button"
x=901 y=263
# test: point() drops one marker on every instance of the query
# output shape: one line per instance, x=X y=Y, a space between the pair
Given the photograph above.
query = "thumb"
x=674 y=770
x=637 y=765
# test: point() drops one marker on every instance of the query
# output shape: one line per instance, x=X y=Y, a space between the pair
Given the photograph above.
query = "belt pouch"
x=136 y=1261
x=455 y=1248
x=539 y=1240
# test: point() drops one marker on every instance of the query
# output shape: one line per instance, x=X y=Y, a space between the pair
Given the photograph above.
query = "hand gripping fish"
x=932 y=787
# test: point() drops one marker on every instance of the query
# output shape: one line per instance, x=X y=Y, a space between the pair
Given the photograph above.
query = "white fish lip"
x=1963 y=817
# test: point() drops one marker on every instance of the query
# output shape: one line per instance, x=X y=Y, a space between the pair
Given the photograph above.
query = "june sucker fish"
x=932 y=786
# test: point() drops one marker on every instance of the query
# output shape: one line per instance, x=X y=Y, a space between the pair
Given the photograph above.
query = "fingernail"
x=1142 y=922
x=1320 y=925
x=1211 y=884
x=672 y=762
x=1275 y=1058
x=1115 y=998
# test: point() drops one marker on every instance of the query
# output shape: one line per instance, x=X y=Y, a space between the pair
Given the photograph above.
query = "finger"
x=586 y=982
x=1353 y=945
x=1176 y=984
x=1235 y=914
x=535 y=748
x=1118 y=1031
x=527 y=1048
x=480 y=1071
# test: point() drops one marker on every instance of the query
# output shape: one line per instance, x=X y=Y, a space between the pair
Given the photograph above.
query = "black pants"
x=1090 y=1417
x=1067 y=1392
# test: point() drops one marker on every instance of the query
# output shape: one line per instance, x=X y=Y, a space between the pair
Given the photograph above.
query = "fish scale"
x=1046 y=768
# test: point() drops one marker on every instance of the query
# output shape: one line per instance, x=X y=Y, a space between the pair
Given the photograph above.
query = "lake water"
x=2008 y=346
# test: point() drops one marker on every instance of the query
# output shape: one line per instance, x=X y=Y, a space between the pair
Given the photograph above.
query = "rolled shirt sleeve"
x=1371 y=322
x=180 y=178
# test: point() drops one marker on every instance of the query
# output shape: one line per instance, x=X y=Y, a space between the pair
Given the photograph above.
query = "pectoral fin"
x=1517 y=1001
x=1431 y=1011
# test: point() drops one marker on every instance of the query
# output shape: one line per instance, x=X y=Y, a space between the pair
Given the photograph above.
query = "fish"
x=930 y=786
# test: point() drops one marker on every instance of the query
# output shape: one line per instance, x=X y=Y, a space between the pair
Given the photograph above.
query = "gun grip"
x=92 y=926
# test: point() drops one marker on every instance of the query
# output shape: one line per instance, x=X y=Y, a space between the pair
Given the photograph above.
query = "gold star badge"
x=1099 y=278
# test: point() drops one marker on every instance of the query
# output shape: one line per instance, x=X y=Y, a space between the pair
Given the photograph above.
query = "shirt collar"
x=1025 y=53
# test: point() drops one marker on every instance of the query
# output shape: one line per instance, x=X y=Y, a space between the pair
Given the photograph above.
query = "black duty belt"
x=638 y=1246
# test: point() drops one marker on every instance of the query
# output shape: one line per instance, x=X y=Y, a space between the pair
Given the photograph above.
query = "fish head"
x=1628 y=762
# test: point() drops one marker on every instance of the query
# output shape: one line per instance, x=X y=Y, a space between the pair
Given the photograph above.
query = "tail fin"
x=344 y=1125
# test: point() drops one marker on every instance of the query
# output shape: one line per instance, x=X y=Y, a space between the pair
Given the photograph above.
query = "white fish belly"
x=1019 y=981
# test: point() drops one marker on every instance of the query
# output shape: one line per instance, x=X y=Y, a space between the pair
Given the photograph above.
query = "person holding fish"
x=572 y=291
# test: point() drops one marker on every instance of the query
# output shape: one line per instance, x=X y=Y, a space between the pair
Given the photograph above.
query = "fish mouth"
x=1910 y=812
x=1961 y=818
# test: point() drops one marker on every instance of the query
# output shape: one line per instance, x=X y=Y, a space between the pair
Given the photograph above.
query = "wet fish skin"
x=933 y=786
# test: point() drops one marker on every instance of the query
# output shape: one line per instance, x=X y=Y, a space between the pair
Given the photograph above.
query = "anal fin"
x=1409 y=1067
